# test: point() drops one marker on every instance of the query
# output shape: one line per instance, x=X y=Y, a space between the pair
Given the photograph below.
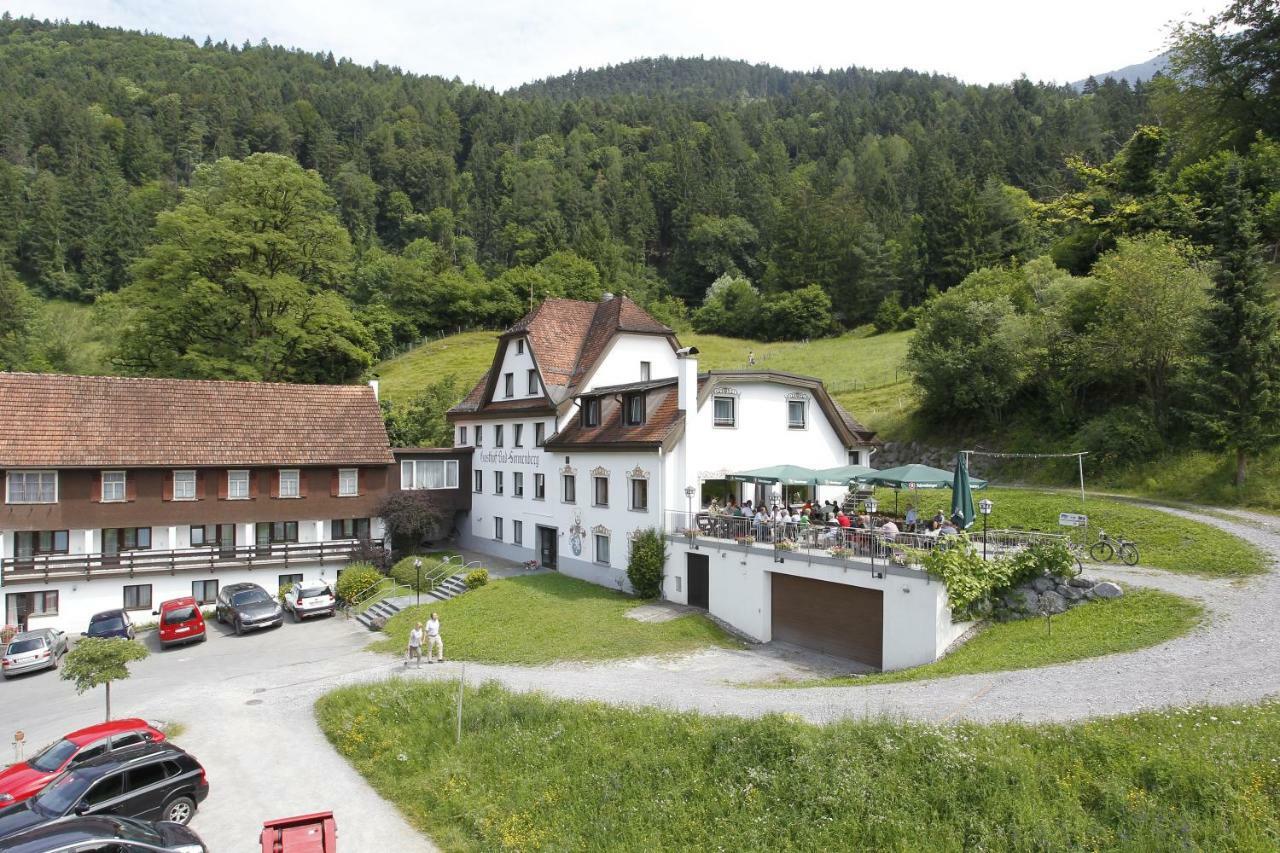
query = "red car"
x=180 y=621
x=26 y=778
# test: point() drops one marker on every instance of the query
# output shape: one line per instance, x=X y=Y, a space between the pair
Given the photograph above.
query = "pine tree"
x=1238 y=387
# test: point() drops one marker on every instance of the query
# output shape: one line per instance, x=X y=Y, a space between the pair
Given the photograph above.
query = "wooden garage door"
x=847 y=621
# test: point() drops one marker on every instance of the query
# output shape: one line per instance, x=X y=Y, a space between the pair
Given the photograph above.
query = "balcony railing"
x=210 y=558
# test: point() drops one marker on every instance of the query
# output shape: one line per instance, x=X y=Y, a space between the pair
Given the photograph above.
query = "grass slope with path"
x=542 y=618
x=1142 y=618
x=537 y=773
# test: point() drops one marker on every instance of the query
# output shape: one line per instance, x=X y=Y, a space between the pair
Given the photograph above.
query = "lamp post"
x=871 y=506
x=417 y=567
x=984 y=507
x=688 y=493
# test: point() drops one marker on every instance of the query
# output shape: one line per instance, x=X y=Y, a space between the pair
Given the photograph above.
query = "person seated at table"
x=931 y=529
x=864 y=521
x=890 y=530
x=912 y=521
x=939 y=517
x=947 y=528
x=842 y=519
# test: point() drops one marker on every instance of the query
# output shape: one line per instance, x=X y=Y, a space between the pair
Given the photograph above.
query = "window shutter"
x=130 y=486
x=95 y=493
x=199 y=485
x=166 y=492
x=255 y=483
x=333 y=483
x=274 y=483
x=302 y=482
x=223 y=477
x=358 y=492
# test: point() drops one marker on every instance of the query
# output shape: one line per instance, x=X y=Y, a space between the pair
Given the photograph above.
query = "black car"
x=247 y=606
x=157 y=781
x=104 y=834
x=110 y=623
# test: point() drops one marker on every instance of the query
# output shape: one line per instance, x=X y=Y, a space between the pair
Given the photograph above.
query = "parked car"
x=110 y=623
x=105 y=834
x=180 y=621
x=29 y=651
x=308 y=833
x=26 y=778
x=309 y=598
x=157 y=781
x=247 y=606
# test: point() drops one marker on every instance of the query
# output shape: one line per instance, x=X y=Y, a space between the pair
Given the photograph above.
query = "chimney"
x=687 y=400
x=375 y=385
x=606 y=296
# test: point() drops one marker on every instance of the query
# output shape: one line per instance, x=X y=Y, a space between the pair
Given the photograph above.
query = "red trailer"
x=308 y=833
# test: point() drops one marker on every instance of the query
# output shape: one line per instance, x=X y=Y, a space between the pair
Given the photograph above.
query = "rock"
x=1023 y=600
x=1069 y=592
x=1043 y=584
x=1082 y=582
x=1051 y=602
x=1107 y=589
x=378 y=622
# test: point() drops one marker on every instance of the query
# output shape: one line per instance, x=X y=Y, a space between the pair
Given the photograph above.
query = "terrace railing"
x=43 y=567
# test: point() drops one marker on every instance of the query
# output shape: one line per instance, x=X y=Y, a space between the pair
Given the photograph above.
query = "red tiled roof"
x=662 y=418
x=100 y=421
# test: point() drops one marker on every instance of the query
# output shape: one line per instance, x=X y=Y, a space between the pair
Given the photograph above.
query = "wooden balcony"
x=52 y=567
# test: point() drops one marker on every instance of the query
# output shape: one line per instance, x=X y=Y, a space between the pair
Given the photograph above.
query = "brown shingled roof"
x=662 y=419
x=100 y=421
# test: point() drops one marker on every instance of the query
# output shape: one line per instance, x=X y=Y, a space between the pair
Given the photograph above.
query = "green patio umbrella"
x=915 y=477
x=962 y=495
x=842 y=475
x=785 y=475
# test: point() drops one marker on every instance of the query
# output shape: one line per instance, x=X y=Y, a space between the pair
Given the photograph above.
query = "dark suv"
x=105 y=835
x=246 y=606
x=153 y=782
x=110 y=623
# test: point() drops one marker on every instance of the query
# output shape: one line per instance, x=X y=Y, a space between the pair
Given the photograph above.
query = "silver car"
x=29 y=651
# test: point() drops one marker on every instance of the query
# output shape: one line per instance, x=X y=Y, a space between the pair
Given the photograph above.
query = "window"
x=726 y=412
x=289 y=483
x=112 y=486
x=639 y=494
x=276 y=532
x=32 y=487
x=539 y=487
x=855 y=457
x=569 y=487
x=184 y=485
x=223 y=536
x=137 y=597
x=478 y=476
x=517 y=532
x=497 y=482
x=20 y=605
x=479 y=435
x=517 y=440
x=633 y=409
x=30 y=543
x=462 y=436
x=796 y=414
x=204 y=592
x=117 y=539
x=348 y=482
x=196 y=536
x=600 y=491
x=497 y=435
x=429 y=474
x=105 y=789
x=533 y=381
x=539 y=434
x=517 y=483
x=646 y=370
x=497 y=528
x=290 y=580
x=520 y=346
x=508 y=384
x=602 y=549
x=349 y=528
x=237 y=485
x=146 y=775
x=591 y=412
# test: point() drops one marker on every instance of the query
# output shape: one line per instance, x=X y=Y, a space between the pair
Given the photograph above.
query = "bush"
x=1121 y=437
x=1036 y=560
x=404 y=573
x=796 y=316
x=477 y=578
x=647 y=561
x=284 y=590
x=356 y=578
x=890 y=314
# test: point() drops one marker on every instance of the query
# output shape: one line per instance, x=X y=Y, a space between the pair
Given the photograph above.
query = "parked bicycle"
x=1106 y=547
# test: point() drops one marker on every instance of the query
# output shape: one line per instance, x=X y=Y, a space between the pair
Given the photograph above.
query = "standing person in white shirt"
x=434 y=642
x=415 y=645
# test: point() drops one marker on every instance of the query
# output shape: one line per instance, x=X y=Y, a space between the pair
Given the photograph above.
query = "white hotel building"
x=592 y=422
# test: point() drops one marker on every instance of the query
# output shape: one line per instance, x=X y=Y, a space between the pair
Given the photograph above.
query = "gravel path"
x=1231 y=658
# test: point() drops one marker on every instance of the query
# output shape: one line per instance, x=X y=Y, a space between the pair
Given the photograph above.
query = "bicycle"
x=1105 y=548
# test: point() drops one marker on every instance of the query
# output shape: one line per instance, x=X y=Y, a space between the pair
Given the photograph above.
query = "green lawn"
x=536 y=773
x=468 y=355
x=1141 y=618
x=537 y=619
x=1164 y=541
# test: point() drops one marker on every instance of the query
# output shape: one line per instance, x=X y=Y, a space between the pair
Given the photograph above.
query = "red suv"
x=26 y=778
x=180 y=621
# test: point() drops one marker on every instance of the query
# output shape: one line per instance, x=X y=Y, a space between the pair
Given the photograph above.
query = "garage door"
x=846 y=621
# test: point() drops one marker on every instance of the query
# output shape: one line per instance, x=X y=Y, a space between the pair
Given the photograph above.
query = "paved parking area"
x=246 y=707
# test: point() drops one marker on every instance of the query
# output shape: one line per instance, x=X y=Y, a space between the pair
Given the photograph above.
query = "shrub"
x=647 y=561
x=797 y=315
x=403 y=572
x=1124 y=435
x=1038 y=559
x=477 y=578
x=890 y=314
x=413 y=516
x=356 y=578
x=284 y=590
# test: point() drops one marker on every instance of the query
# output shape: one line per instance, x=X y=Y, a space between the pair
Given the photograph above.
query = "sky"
x=502 y=43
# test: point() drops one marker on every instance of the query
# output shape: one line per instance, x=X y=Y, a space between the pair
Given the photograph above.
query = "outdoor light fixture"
x=985 y=506
x=689 y=492
x=417 y=567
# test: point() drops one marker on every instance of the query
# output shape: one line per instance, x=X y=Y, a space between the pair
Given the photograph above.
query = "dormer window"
x=591 y=412
x=633 y=409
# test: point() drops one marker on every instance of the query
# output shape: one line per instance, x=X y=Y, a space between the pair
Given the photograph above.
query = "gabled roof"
x=846 y=425
x=53 y=420
x=567 y=338
x=662 y=423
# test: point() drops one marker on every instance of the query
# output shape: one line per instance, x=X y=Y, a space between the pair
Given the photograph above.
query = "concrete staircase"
x=388 y=607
